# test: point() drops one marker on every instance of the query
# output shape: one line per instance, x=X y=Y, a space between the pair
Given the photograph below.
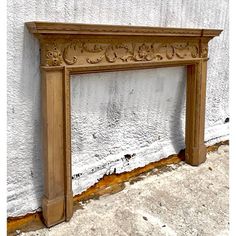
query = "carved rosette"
x=53 y=56
x=84 y=53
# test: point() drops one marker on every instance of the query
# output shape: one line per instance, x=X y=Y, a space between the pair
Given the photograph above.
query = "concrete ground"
x=177 y=200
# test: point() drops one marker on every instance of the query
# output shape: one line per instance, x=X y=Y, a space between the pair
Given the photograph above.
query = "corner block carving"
x=79 y=48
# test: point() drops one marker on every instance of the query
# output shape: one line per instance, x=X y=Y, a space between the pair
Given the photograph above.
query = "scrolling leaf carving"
x=79 y=52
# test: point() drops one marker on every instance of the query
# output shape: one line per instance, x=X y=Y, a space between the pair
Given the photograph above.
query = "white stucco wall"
x=113 y=114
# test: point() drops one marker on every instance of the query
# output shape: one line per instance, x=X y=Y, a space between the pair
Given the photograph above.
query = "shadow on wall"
x=31 y=97
x=177 y=136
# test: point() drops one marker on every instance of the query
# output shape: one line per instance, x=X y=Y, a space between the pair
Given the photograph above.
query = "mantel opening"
x=122 y=120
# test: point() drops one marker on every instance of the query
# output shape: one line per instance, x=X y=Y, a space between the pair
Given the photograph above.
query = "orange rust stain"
x=114 y=179
x=31 y=221
x=109 y=184
x=216 y=146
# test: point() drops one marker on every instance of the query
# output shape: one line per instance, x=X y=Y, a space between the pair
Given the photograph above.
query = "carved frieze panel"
x=80 y=52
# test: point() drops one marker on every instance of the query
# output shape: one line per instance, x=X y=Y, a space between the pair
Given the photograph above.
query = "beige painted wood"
x=79 y=48
x=195 y=151
x=67 y=125
x=53 y=146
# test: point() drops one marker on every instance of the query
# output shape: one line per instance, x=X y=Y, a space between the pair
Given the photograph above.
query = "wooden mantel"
x=80 y=48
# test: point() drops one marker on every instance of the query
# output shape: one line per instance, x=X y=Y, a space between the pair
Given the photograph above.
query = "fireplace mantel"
x=82 y=48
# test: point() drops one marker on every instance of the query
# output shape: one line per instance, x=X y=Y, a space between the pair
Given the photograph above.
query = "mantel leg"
x=195 y=152
x=58 y=198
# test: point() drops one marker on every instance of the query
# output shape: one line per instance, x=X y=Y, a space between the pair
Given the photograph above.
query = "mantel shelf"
x=92 y=29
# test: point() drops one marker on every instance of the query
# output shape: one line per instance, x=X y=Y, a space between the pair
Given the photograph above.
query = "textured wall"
x=113 y=114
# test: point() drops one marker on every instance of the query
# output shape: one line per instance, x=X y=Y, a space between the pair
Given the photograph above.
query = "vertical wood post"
x=68 y=161
x=195 y=152
x=57 y=199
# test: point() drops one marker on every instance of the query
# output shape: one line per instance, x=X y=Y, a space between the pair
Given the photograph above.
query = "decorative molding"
x=55 y=28
x=82 y=53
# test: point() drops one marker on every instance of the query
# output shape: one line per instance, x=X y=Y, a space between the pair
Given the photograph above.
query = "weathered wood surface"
x=79 y=48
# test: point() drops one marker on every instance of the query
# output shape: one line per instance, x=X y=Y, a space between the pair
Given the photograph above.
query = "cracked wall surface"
x=120 y=120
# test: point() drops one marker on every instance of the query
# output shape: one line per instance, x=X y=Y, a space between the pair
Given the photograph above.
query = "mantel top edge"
x=41 y=28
